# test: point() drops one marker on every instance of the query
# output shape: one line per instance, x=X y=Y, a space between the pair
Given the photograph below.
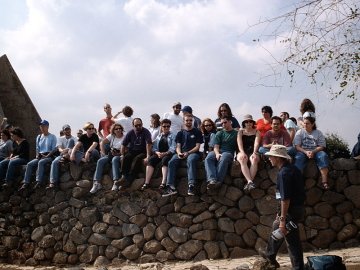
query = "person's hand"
x=242 y=156
x=87 y=156
x=218 y=156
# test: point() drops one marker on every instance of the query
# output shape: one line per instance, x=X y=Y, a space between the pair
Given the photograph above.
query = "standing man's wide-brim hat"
x=278 y=150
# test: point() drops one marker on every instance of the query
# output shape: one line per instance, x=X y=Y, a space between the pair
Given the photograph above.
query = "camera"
x=277 y=234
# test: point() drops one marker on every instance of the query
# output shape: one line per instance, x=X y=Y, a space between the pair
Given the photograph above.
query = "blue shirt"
x=137 y=141
x=188 y=139
x=45 y=144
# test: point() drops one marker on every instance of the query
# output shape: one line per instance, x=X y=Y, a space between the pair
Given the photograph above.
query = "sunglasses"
x=90 y=128
x=166 y=126
x=117 y=128
x=248 y=122
x=223 y=110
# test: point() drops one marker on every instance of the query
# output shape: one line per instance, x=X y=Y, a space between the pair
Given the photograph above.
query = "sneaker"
x=23 y=187
x=249 y=186
x=51 y=186
x=38 y=185
x=169 y=191
x=191 y=191
x=115 y=186
x=96 y=187
x=211 y=185
x=145 y=186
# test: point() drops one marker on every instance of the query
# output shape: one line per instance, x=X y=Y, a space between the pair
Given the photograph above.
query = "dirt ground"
x=351 y=258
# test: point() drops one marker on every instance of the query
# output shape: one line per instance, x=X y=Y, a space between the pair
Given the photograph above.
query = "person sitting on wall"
x=355 y=153
x=217 y=162
x=276 y=136
x=163 y=149
x=64 y=145
x=87 y=147
x=114 y=140
x=310 y=143
x=136 y=147
x=45 y=151
x=208 y=130
x=6 y=144
x=188 y=142
x=289 y=125
x=19 y=157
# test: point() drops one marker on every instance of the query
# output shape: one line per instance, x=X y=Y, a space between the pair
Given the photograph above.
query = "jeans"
x=292 y=240
x=130 y=164
x=291 y=150
x=39 y=166
x=191 y=162
x=94 y=156
x=7 y=168
x=115 y=167
x=217 y=169
x=321 y=159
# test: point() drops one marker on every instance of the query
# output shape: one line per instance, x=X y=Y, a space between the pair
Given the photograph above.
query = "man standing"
x=217 y=162
x=135 y=147
x=188 y=142
x=64 y=145
x=105 y=123
x=45 y=149
x=288 y=124
x=277 y=136
x=175 y=118
x=127 y=121
x=291 y=195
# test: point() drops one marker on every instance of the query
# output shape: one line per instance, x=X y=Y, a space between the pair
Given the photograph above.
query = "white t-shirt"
x=126 y=122
x=176 y=122
x=64 y=142
x=309 y=141
x=115 y=142
x=154 y=133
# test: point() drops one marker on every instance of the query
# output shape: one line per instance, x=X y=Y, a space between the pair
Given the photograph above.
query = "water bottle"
x=277 y=234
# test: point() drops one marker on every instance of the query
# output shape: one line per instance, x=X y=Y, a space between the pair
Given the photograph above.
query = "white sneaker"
x=96 y=186
x=115 y=186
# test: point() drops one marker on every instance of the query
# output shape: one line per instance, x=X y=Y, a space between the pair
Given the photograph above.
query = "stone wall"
x=70 y=226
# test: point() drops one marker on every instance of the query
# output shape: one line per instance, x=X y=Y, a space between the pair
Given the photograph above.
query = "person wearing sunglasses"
x=163 y=150
x=114 y=141
x=87 y=147
x=135 y=149
x=208 y=129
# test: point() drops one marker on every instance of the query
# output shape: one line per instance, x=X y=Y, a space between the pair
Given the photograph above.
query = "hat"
x=177 y=104
x=187 y=109
x=278 y=150
x=66 y=127
x=309 y=114
x=44 y=123
x=247 y=117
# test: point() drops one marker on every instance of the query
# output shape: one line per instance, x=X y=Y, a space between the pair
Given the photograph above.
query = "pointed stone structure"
x=16 y=105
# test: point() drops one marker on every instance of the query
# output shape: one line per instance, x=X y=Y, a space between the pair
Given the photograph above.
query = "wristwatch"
x=281 y=218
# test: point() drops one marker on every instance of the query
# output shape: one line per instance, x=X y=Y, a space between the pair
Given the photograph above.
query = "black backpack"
x=325 y=262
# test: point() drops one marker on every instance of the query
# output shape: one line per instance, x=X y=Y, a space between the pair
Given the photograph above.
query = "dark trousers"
x=292 y=240
x=130 y=165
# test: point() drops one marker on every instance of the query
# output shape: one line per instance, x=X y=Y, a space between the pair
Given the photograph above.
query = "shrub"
x=336 y=147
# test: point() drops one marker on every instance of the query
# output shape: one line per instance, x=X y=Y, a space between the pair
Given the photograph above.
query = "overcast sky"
x=74 y=56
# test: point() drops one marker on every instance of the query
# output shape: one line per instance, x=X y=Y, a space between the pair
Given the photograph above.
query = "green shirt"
x=226 y=140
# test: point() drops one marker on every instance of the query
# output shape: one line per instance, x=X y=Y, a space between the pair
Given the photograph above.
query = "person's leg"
x=254 y=161
x=210 y=167
x=273 y=246
x=152 y=162
x=30 y=167
x=95 y=155
x=126 y=163
x=263 y=150
x=322 y=161
x=115 y=167
x=300 y=160
x=191 y=161
x=100 y=168
x=3 y=168
x=136 y=164
x=54 y=170
x=40 y=172
x=244 y=167
x=13 y=164
x=172 y=167
x=164 y=168
x=223 y=165
x=291 y=150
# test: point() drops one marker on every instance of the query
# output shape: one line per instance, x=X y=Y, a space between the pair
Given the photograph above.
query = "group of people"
x=124 y=143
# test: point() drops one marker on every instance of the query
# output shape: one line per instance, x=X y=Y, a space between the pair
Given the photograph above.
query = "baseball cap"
x=187 y=109
x=44 y=123
x=66 y=127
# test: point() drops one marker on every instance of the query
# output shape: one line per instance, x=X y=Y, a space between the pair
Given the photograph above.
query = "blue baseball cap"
x=44 y=123
x=187 y=109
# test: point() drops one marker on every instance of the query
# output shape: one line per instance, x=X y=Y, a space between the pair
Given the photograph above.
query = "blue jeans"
x=7 y=168
x=115 y=167
x=216 y=170
x=321 y=159
x=291 y=150
x=39 y=166
x=54 y=170
x=94 y=156
x=191 y=162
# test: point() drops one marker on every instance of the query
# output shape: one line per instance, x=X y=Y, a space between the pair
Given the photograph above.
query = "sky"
x=72 y=57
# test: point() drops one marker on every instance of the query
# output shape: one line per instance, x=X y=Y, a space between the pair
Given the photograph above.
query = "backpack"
x=325 y=262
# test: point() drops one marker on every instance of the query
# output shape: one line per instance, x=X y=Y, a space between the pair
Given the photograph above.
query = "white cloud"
x=73 y=56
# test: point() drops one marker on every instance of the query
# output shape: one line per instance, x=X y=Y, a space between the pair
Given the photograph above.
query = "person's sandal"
x=162 y=186
x=145 y=186
x=325 y=185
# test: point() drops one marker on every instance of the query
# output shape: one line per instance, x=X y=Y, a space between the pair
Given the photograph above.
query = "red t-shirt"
x=104 y=126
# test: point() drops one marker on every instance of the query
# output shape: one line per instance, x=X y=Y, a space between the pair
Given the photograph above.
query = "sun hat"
x=278 y=150
x=247 y=117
